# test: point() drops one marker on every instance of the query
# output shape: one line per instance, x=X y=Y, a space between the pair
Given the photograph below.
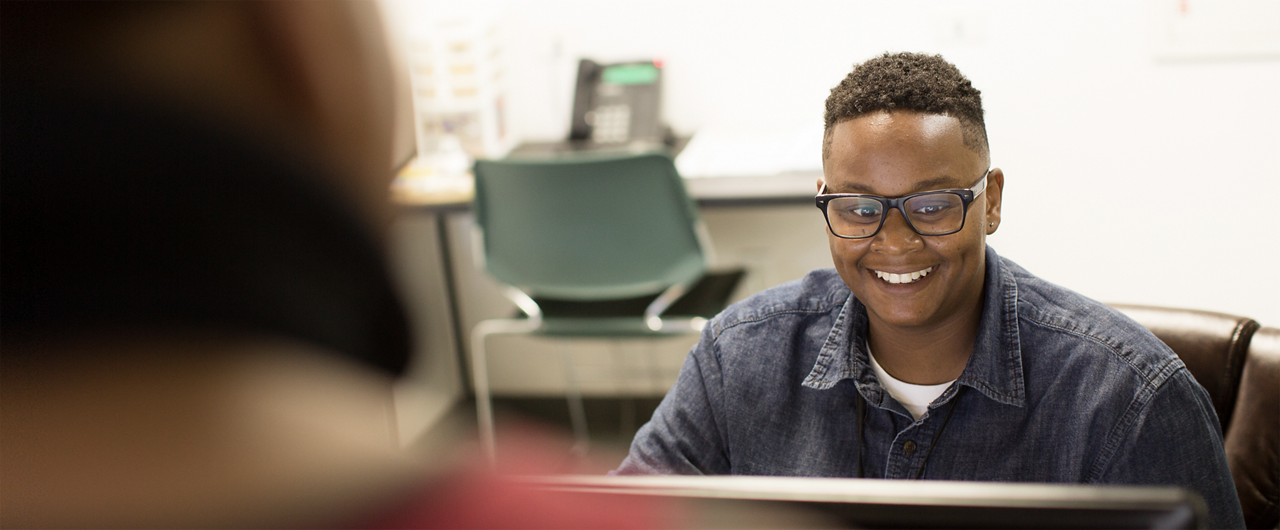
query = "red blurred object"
x=476 y=496
x=481 y=500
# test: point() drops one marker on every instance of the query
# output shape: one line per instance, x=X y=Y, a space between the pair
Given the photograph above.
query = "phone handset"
x=588 y=76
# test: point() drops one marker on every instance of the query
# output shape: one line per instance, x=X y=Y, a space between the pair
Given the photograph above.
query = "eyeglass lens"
x=929 y=214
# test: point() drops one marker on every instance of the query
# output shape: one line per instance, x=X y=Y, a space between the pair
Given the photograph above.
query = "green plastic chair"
x=589 y=247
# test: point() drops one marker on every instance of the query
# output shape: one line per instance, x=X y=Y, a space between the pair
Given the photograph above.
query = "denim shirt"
x=1059 y=388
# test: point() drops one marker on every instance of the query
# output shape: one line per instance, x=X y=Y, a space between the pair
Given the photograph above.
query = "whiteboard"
x=1215 y=29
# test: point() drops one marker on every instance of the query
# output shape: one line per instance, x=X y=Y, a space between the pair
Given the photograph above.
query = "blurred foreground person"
x=198 y=325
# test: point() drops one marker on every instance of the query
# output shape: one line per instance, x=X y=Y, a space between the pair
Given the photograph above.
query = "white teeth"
x=903 y=278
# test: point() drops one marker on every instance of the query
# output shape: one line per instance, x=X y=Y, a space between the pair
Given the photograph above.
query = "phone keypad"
x=612 y=124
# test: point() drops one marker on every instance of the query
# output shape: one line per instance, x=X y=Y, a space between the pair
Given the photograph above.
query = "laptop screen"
x=833 y=503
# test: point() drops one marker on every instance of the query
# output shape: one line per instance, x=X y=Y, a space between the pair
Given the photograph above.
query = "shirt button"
x=909 y=447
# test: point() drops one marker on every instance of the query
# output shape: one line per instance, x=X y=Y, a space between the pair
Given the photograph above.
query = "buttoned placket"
x=913 y=445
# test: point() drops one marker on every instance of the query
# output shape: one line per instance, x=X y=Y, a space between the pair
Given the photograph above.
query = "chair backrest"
x=1212 y=345
x=587 y=228
x=1238 y=363
x=1253 y=439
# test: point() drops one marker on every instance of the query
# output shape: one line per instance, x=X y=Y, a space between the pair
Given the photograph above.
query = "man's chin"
x=906 y=321
x=899 y=313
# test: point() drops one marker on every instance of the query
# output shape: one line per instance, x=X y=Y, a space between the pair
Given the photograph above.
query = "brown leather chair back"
x=1212 y=345
x=1253 y=437
x=1239 y=365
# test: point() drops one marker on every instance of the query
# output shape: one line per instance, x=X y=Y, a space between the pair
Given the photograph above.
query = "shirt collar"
x=994 y=369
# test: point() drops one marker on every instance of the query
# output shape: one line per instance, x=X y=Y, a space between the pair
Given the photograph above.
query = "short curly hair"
x=908 y=81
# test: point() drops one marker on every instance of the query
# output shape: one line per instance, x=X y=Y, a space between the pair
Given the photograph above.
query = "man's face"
x=892 y=154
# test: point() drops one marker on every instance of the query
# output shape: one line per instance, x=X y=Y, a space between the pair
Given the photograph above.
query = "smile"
x=909 y=277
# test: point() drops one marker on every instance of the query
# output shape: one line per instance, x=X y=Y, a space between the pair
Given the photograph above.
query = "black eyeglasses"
x=929 y=213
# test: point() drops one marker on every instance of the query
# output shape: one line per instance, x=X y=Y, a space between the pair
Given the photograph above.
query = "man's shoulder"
x=1053 y=314
x=819 y=291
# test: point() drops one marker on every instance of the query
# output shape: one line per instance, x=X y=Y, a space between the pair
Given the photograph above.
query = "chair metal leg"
x=480 y=376
x=484 y=402
x=577 y=412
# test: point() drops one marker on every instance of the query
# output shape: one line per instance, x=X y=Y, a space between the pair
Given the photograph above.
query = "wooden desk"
x=787 y=188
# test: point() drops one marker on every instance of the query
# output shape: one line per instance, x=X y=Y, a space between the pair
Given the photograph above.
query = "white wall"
x=1129 y=179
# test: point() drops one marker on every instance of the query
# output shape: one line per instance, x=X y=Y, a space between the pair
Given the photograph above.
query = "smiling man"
x=924 y=354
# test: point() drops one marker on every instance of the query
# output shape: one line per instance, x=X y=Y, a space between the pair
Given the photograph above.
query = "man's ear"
x=820 y=183
x=994 y=193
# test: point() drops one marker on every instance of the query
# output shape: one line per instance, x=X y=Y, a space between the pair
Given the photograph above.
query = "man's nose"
x=896 y=236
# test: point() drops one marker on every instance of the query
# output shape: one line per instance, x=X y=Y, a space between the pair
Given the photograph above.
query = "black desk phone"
x=618 y=104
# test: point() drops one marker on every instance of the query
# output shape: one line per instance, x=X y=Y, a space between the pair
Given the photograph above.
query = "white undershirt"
x=915 y=398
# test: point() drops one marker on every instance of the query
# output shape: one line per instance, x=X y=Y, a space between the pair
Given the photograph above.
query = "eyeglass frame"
x=967 y=196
